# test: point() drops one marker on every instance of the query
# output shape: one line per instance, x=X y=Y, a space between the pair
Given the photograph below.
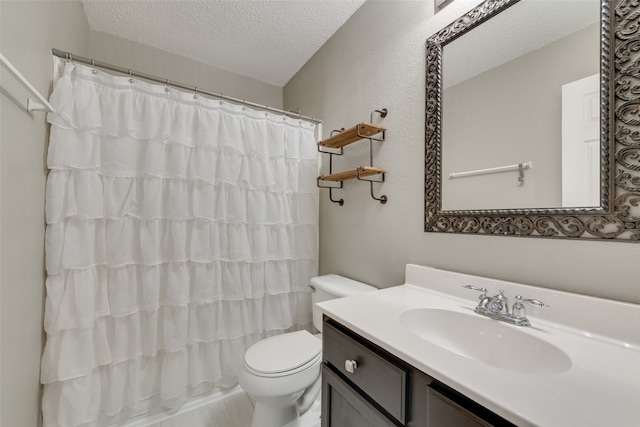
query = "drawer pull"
x=350 y=366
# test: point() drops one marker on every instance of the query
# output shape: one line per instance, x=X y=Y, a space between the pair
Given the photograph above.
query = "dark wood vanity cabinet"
x=363 y=385
x=344 y=406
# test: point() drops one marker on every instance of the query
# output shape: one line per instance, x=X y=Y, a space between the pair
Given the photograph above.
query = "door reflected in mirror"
x=523 y=88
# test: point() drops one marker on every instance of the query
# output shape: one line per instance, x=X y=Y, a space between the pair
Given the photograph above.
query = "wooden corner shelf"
x=356 y=133
x=361 y=171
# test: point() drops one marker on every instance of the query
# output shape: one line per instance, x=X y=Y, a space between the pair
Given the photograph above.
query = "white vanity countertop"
x=600 y=388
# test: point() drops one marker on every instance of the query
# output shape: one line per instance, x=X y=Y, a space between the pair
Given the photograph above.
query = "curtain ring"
x=221 y=98
x=167 y=89
x=130 y=76
x=195 y=92
x=244 y=105
x=93 y=64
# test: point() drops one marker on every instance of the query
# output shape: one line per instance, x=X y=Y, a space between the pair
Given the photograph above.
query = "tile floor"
x=234 y=411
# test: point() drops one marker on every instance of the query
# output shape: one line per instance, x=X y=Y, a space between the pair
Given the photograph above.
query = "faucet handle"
x=477 y=289
x=484 y=299
x=518 y=310
x=534 y=302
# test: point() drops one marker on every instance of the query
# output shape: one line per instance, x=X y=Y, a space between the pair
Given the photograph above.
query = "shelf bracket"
x=331 y=188
x=382 y=199
x=332 y=153
x=339 y=202
x=383 y=113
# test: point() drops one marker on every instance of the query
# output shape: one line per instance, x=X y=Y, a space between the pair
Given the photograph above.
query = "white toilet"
x=282 y=373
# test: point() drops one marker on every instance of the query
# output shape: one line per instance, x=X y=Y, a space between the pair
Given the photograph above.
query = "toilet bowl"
x=281 y=374
x=277 y=372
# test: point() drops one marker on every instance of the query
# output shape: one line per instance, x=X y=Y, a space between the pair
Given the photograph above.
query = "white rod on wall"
x=43 y=104
x=527 y=165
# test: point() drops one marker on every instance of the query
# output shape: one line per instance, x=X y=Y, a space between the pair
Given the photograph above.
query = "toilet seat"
x=284 y=354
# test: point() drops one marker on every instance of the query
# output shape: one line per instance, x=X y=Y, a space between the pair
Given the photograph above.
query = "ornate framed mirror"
x=506 y=128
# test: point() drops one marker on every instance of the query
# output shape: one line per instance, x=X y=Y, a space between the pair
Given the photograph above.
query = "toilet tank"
x=332 y=286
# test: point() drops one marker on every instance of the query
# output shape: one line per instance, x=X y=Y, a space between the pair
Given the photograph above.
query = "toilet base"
x=264 y=415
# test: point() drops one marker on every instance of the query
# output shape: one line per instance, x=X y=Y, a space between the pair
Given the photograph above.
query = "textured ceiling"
x=269 y=40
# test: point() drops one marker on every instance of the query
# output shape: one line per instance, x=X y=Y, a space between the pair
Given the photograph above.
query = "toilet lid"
x=283 y=353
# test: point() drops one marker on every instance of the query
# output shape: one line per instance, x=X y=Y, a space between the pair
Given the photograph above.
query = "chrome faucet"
x=498 y=304
x=497 y=307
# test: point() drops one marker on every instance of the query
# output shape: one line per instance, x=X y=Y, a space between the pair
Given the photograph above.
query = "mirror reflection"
x=520 y=109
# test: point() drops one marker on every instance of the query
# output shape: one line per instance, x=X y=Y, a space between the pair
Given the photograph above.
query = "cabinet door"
x=379 y=376
x=343 y=406
x=444 y=412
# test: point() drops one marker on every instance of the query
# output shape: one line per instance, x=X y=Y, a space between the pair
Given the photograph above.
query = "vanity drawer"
x=378 y=376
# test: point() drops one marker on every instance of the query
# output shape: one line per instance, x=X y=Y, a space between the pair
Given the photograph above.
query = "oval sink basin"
x=486 y=340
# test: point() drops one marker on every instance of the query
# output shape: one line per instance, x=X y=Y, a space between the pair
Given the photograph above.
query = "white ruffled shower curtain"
x=180 y=230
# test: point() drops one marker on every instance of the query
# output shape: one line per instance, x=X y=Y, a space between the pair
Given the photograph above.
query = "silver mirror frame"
x=618 y=217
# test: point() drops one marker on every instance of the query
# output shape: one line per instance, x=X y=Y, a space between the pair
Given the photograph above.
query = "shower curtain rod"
x=76 y=58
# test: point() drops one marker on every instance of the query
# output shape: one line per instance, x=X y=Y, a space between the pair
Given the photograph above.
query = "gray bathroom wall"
x=127 y=54
x=378 y=60
x=29 y=30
